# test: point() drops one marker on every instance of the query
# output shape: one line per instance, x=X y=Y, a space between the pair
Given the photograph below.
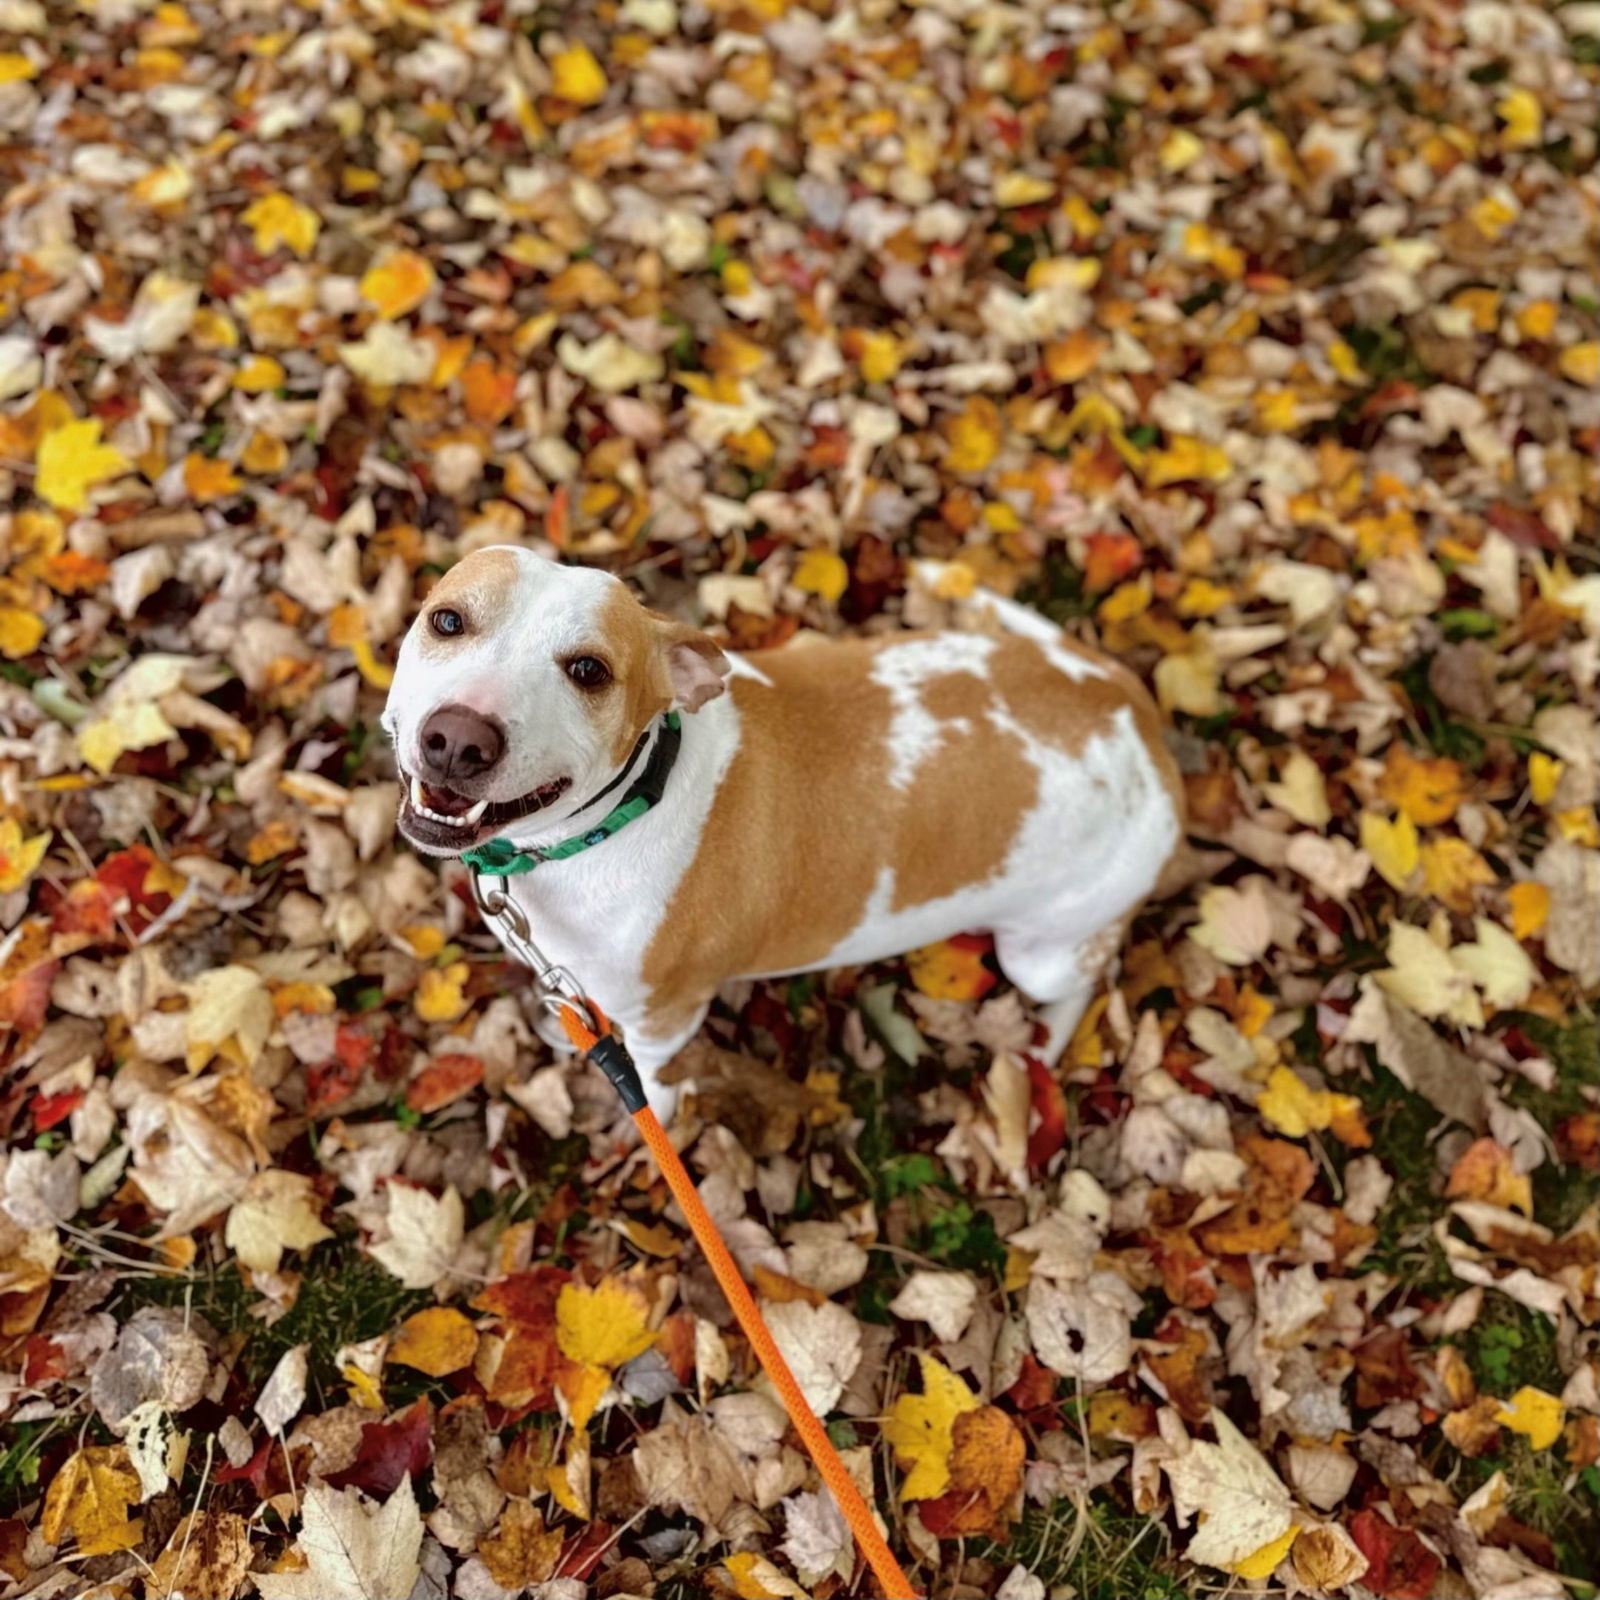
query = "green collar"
x=499 y=858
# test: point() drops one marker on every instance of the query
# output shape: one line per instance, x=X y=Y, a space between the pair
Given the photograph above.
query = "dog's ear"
x=695 y=663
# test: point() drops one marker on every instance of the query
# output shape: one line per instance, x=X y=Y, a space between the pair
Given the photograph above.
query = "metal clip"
x=557 y=987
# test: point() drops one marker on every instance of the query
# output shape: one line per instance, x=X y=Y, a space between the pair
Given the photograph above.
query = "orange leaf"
x=1428 y=791
x=208 y=479
x=489 y=391
x=399 y=283
x=445 y=1079
x=953 y=969
x=1485 y=1171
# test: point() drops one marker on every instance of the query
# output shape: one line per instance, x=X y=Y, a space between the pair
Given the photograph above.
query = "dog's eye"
x=588 y=673
x=446 y=622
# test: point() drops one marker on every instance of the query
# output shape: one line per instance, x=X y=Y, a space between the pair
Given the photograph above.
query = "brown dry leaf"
x=521 y=1551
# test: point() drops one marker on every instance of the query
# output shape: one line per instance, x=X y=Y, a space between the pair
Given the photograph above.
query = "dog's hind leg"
x=1060 y=976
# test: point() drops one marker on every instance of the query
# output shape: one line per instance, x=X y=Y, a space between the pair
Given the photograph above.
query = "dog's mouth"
x=447 y=821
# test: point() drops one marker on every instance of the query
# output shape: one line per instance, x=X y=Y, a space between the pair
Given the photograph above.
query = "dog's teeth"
x=416 y=794
x=472 y=816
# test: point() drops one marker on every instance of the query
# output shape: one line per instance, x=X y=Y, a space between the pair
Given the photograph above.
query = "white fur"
x=1086 y=855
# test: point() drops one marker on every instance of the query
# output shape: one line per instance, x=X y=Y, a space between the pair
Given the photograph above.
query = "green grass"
x=1102 y=1552
x=345 y=1297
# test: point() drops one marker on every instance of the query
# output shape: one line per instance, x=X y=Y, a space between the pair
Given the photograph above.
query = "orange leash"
x=605 y=1049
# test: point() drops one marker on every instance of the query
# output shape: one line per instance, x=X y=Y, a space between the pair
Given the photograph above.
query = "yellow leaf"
x=1535 y=1414
x=1189 y=682
x=1295 y=1109
x=1259 y=1566
x=1422 y=976
x=1014 y=189
x=821 y=572
x=72 y=461
x=1530 y=908
x=1501 y=968
x=583 y=1388
x=102 y=739
x=881 y=355
x=19 y=857
x=1203 y=598
x=1345 y=363
x=1277 y=410
x=1393 y=846
x=207 y=478
x=568 y=1481
x=603 y=1326
x=1301 y=791
x=440 y=996
x=16 y=67
x=264 y=454
x=1580 y=363
x=1578 y=824
x=1451 y=869
x=1523 y=116
x=89 y=1498
x=20 y=632
x=399 y=283
x=577 y=76
x=438 y=1341
x=974 y=436
x=1427 y=791
x=378 y=673
x=364 y=1390
x=1544 y=776
x=278 y=219
x=278 y=1211
x=259 y=374
x=1180 y=149
x=1495 y=212
x=920 y=1428
x=1188 y=459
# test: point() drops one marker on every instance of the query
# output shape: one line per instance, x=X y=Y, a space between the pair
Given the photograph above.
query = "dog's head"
x=521 y=691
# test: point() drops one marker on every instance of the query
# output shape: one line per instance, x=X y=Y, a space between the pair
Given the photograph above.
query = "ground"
x=1256 y=344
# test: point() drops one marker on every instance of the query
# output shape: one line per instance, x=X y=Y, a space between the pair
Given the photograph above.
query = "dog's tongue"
x=445 y=801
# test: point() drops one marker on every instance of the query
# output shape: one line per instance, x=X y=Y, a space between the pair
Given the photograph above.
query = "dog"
x=669 y=817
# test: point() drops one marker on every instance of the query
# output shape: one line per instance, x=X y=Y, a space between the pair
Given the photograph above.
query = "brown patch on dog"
x=789 y=858
x=480 y=587
x=640 y=690
x=980 y=775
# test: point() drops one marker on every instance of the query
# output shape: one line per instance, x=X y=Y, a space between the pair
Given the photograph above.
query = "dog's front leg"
x=652 y=1048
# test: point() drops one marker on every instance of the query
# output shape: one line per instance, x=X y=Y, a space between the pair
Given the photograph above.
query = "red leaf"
x=1521 y=526
x=25 y=998
x=44 y=1361
x=391 y=1451
x=1050 y=1106
x=49 y=1109
x=581 y=1555
x=1111 y=557
x=531 y=1360
x=444 y=1079
x=1402 y=1566
x=329 y=1082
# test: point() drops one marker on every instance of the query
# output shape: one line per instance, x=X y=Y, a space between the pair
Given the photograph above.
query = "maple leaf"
x=1399 y=1564
x=351 y=1547
x=425 y=1235
x=921 y=1429
x=602 y=1326
x=88 y=1500
x=986 y=1460
x=279 y=219
x=1246 y=1515
x=278 y=1211
x=521 y=1551
x=821 y=572
x=72 y=461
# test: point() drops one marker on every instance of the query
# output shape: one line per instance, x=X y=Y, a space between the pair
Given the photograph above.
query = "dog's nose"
x=456 y=742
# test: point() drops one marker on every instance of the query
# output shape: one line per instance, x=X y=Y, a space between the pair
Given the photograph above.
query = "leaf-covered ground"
x=1256 y=342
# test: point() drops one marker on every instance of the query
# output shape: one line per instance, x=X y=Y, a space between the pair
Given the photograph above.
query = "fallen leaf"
x=72 y=461
x=424 y=1235
x=1534 y=1414
x=278 y=1211
x=437 y=1341
x=1394 y=847
x=88 y=1499
x=1244 y=1513
x=351 y=1547
x=920 y=1429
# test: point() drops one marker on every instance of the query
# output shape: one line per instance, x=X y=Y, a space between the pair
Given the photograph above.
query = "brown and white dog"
x=831 y=803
